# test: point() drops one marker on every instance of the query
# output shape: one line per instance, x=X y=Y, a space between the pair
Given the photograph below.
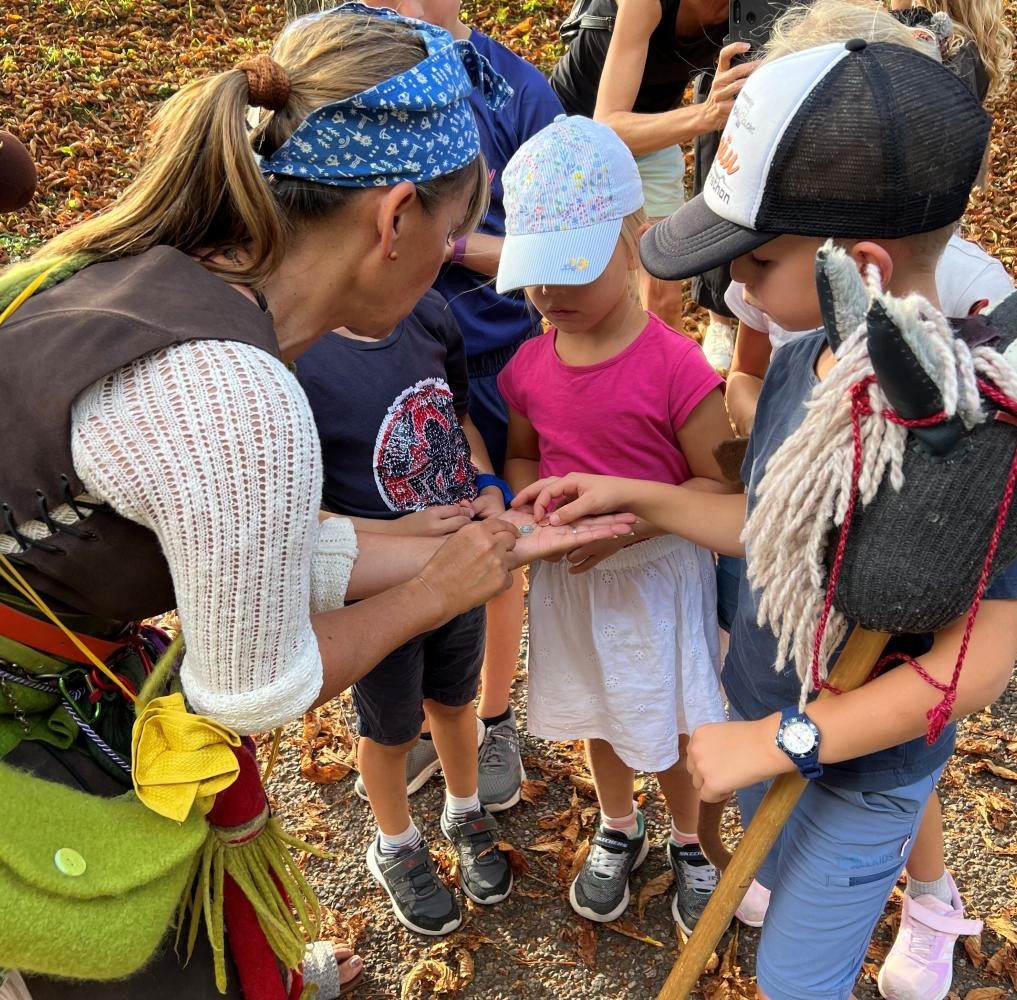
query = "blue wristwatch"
x=798 y=737
x=485 y=479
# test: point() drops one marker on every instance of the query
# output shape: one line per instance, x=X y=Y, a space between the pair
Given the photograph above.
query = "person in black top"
x=634 y=77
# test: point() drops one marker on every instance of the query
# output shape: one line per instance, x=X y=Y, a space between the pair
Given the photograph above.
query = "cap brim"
x=695 y=239
x=557 y=257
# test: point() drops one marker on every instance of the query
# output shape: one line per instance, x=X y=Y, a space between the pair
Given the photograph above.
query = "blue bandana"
x=412 y=127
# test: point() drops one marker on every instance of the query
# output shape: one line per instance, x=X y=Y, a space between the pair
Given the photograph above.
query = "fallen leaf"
x=997 y=769
x=985 y=993
x=655 y=887
x=518 y=863
x=973 y=947
x=629 y=929
x=1004 y=925
x=532 y=789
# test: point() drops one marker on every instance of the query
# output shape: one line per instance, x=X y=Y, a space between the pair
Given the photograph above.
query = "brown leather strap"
x=49 y=639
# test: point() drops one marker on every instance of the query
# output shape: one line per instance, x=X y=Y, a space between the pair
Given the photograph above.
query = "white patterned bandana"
x=412 y=127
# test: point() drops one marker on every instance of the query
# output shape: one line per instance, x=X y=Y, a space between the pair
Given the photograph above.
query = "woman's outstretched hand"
x=577 y=495
x=537 y=541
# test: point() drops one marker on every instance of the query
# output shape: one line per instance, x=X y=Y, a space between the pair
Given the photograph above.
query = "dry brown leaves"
x=327 y=751
x=447 y=968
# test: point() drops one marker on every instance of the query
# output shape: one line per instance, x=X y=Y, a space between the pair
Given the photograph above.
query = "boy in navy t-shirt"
x=396 y=442
x=493 y=327
x=875 y=146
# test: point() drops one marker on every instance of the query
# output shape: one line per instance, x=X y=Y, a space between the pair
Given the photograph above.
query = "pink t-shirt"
x=618 y=417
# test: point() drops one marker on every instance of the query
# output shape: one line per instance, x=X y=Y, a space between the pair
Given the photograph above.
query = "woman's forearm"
x=386 y=560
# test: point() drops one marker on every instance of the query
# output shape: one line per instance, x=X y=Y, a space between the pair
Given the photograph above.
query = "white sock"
x=940 y=888
x=409 y=840
x=629 y=825
x=458 y=808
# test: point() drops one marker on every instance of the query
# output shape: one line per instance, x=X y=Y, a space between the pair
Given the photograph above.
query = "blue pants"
x=830 y=873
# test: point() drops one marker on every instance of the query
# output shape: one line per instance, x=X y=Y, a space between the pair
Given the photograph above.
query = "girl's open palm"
x=550 y=541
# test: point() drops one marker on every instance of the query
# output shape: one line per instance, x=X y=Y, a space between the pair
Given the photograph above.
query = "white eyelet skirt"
x=628 y=652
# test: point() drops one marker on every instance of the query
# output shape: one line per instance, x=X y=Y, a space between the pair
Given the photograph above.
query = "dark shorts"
x=729 y=581
x=443 y=665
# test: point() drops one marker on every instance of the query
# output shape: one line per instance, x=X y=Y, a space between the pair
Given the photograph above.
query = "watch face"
x=798 y=738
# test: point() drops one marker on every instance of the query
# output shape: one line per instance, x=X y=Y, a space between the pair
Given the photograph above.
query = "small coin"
x=527 y=529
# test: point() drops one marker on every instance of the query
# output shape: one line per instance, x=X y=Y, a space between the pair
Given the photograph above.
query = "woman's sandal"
x=334 y=969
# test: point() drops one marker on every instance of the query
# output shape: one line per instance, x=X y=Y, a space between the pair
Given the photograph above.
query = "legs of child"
x=919 y=966
x=398 y=857
x=484 y=872
x=601 y=889
x=501 y=768
x=695 y=878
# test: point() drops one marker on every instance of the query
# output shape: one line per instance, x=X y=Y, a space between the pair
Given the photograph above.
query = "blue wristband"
x=485 y=479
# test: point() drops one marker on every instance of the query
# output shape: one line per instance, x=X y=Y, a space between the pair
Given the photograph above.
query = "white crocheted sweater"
x=212 y=445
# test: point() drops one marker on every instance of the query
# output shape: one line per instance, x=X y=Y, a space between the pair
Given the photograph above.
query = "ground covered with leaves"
x=79 y=81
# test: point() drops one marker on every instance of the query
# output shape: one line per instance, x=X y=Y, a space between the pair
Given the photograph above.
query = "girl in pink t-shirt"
x=623 y=655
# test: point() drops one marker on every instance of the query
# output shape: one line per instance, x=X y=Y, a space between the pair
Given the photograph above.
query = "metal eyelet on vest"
x=23 y=540
x=56 y=527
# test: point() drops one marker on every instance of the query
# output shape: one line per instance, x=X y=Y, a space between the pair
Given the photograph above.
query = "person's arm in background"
x=522 y=453
x=623 y=74
x=749 y=363
x=480 y=252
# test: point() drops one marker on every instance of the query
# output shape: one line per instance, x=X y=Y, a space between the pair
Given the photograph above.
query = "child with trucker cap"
x=876 y=146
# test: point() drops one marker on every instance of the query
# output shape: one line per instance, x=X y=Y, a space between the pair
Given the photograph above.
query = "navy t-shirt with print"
x=387 y=413
x=753 y=686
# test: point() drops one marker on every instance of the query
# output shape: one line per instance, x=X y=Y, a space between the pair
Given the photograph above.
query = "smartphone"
x=750 y=20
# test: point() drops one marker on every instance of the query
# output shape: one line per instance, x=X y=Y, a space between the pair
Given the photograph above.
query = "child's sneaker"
x=695 y=879
x=920 y=963
x=421 y=763
x=484 y=872
x=500 y=768
x=421 y=901
x=601 y=890
x=752 y=909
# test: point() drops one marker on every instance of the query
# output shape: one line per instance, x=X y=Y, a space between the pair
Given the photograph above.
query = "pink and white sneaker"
x=752 y=909
x=920 y=963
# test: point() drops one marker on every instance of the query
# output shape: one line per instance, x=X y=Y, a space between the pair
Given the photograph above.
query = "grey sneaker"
x=500 y=768
x=421 y=763
x=484 y=872
x=420 y=900
x=695 y=879
x=601 y=889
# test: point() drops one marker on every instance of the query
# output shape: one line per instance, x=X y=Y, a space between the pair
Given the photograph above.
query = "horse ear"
x=908 y=387
x=843 y=297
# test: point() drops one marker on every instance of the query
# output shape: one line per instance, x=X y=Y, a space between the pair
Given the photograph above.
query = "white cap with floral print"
x=566 y=191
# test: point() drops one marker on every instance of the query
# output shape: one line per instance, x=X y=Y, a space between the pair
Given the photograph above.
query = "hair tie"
x=268 y=84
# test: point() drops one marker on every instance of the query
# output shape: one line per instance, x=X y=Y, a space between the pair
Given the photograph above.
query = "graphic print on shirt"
x=421 y=456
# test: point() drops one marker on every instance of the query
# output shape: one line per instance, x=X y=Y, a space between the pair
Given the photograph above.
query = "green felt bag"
x=89 y=885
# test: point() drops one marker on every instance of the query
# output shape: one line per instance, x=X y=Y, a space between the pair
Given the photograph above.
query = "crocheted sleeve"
x=211 y=445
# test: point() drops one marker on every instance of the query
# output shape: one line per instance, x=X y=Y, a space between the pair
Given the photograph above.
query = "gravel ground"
x=533 y=946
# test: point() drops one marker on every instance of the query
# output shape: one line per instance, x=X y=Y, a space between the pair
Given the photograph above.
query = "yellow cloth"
x=179 y=759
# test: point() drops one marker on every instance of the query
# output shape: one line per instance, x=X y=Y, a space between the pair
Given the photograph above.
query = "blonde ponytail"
x=199 y=188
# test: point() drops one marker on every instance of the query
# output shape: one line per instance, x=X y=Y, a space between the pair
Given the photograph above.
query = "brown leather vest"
x=56 y=345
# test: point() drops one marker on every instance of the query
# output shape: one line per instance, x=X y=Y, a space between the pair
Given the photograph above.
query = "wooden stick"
x=851 y=671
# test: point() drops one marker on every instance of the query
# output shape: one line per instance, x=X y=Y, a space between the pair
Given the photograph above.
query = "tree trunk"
x=297 y=8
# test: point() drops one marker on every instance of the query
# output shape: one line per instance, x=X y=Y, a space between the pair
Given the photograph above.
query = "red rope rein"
x=861 y=406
